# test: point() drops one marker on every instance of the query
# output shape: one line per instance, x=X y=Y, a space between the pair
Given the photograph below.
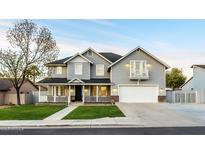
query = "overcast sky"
x=179 y=43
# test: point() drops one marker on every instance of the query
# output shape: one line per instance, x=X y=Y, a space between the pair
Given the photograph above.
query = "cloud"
x=72 y=46
x=102 y=22
x=5 y=23
x=179 y=57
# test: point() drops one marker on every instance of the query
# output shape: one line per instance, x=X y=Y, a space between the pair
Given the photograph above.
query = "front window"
x=100 y=70
x=59 y=70
x=78 y=69
x=103 y=91
x=63 y=90
x=60 y=90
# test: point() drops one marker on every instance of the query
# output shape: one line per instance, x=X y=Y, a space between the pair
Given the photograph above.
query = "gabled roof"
x=75 y=79
x=110 y=56
x=97 y=54
x=78 y=54
x=140 y=49
x=201 y=66
x=186 y=82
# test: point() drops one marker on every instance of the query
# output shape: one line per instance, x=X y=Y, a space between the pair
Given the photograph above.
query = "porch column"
x=68 y=94
x=39 y=93
x=97 y=90
x=54 y=90
x=83 y=88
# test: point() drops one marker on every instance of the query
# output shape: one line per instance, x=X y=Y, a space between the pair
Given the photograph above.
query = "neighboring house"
x=8 y=92
x=91 y=76
x=197 y=82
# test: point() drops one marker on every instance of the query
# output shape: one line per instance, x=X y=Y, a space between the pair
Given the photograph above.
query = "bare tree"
x=30 y=45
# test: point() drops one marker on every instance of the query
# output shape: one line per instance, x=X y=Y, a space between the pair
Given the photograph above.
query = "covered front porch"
x=76 y=93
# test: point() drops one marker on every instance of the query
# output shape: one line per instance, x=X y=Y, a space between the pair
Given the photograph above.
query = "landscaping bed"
x=93 y=112
x=29 y=112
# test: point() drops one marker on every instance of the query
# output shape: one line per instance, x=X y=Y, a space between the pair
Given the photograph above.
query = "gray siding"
x=121 y=73
x=85 y=74
x=52 y=72
x=96 y=59
x=198 y=78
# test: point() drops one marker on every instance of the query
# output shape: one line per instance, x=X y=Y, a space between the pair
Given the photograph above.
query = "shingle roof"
x=64 y=80
x=60 y=61
x=110 y=56
x=201 y=66
x=5 y=84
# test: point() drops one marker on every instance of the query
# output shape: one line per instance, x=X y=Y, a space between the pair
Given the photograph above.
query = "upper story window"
x=100 y=69
x=78 y=69
x=59 y=70
x=138 y=69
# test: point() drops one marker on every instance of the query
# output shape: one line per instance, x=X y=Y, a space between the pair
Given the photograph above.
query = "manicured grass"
x=29 y=112
x=93 y=112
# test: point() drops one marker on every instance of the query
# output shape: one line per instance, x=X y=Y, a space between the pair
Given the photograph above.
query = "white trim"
x=78 y=54
x=75 y=79
x=97 y=93
x=136 y=49
x=97 y=54
x=111 y=74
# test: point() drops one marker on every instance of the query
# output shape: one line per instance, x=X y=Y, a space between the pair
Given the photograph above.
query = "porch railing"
x=100 y=99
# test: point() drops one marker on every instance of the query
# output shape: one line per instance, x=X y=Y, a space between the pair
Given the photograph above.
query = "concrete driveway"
x=164 y=114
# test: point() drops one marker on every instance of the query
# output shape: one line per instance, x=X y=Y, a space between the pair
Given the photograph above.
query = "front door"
x=78 y=93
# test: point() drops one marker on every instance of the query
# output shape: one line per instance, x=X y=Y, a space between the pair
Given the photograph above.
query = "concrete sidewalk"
x=62 y=113
x=103 y=122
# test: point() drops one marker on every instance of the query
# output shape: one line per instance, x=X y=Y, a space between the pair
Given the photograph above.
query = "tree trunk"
x=18 y=96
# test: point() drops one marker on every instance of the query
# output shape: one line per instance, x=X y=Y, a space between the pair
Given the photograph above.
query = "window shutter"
x=132 y=68
x=144 y=69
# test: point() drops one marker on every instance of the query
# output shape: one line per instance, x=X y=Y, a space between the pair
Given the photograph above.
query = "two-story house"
x=91 y=76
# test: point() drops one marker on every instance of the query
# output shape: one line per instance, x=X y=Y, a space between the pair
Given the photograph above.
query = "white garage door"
x=138 y=94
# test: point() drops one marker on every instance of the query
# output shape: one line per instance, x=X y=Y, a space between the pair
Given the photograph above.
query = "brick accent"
x=161 y=98
x=115 y=98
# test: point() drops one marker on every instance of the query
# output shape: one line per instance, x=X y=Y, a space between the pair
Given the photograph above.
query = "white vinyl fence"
x=185 y=96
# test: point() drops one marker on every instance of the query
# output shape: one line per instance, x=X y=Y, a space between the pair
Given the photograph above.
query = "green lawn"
x=93 y=112
x=29 y=112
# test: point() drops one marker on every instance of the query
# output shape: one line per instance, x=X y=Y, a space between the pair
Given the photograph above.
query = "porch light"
x=161 y=90
x=86 y=90
x=127 y=65
x=114 y=90
x=149 y=65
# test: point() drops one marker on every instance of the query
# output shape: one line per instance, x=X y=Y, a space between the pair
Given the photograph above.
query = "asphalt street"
x=105 y=131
